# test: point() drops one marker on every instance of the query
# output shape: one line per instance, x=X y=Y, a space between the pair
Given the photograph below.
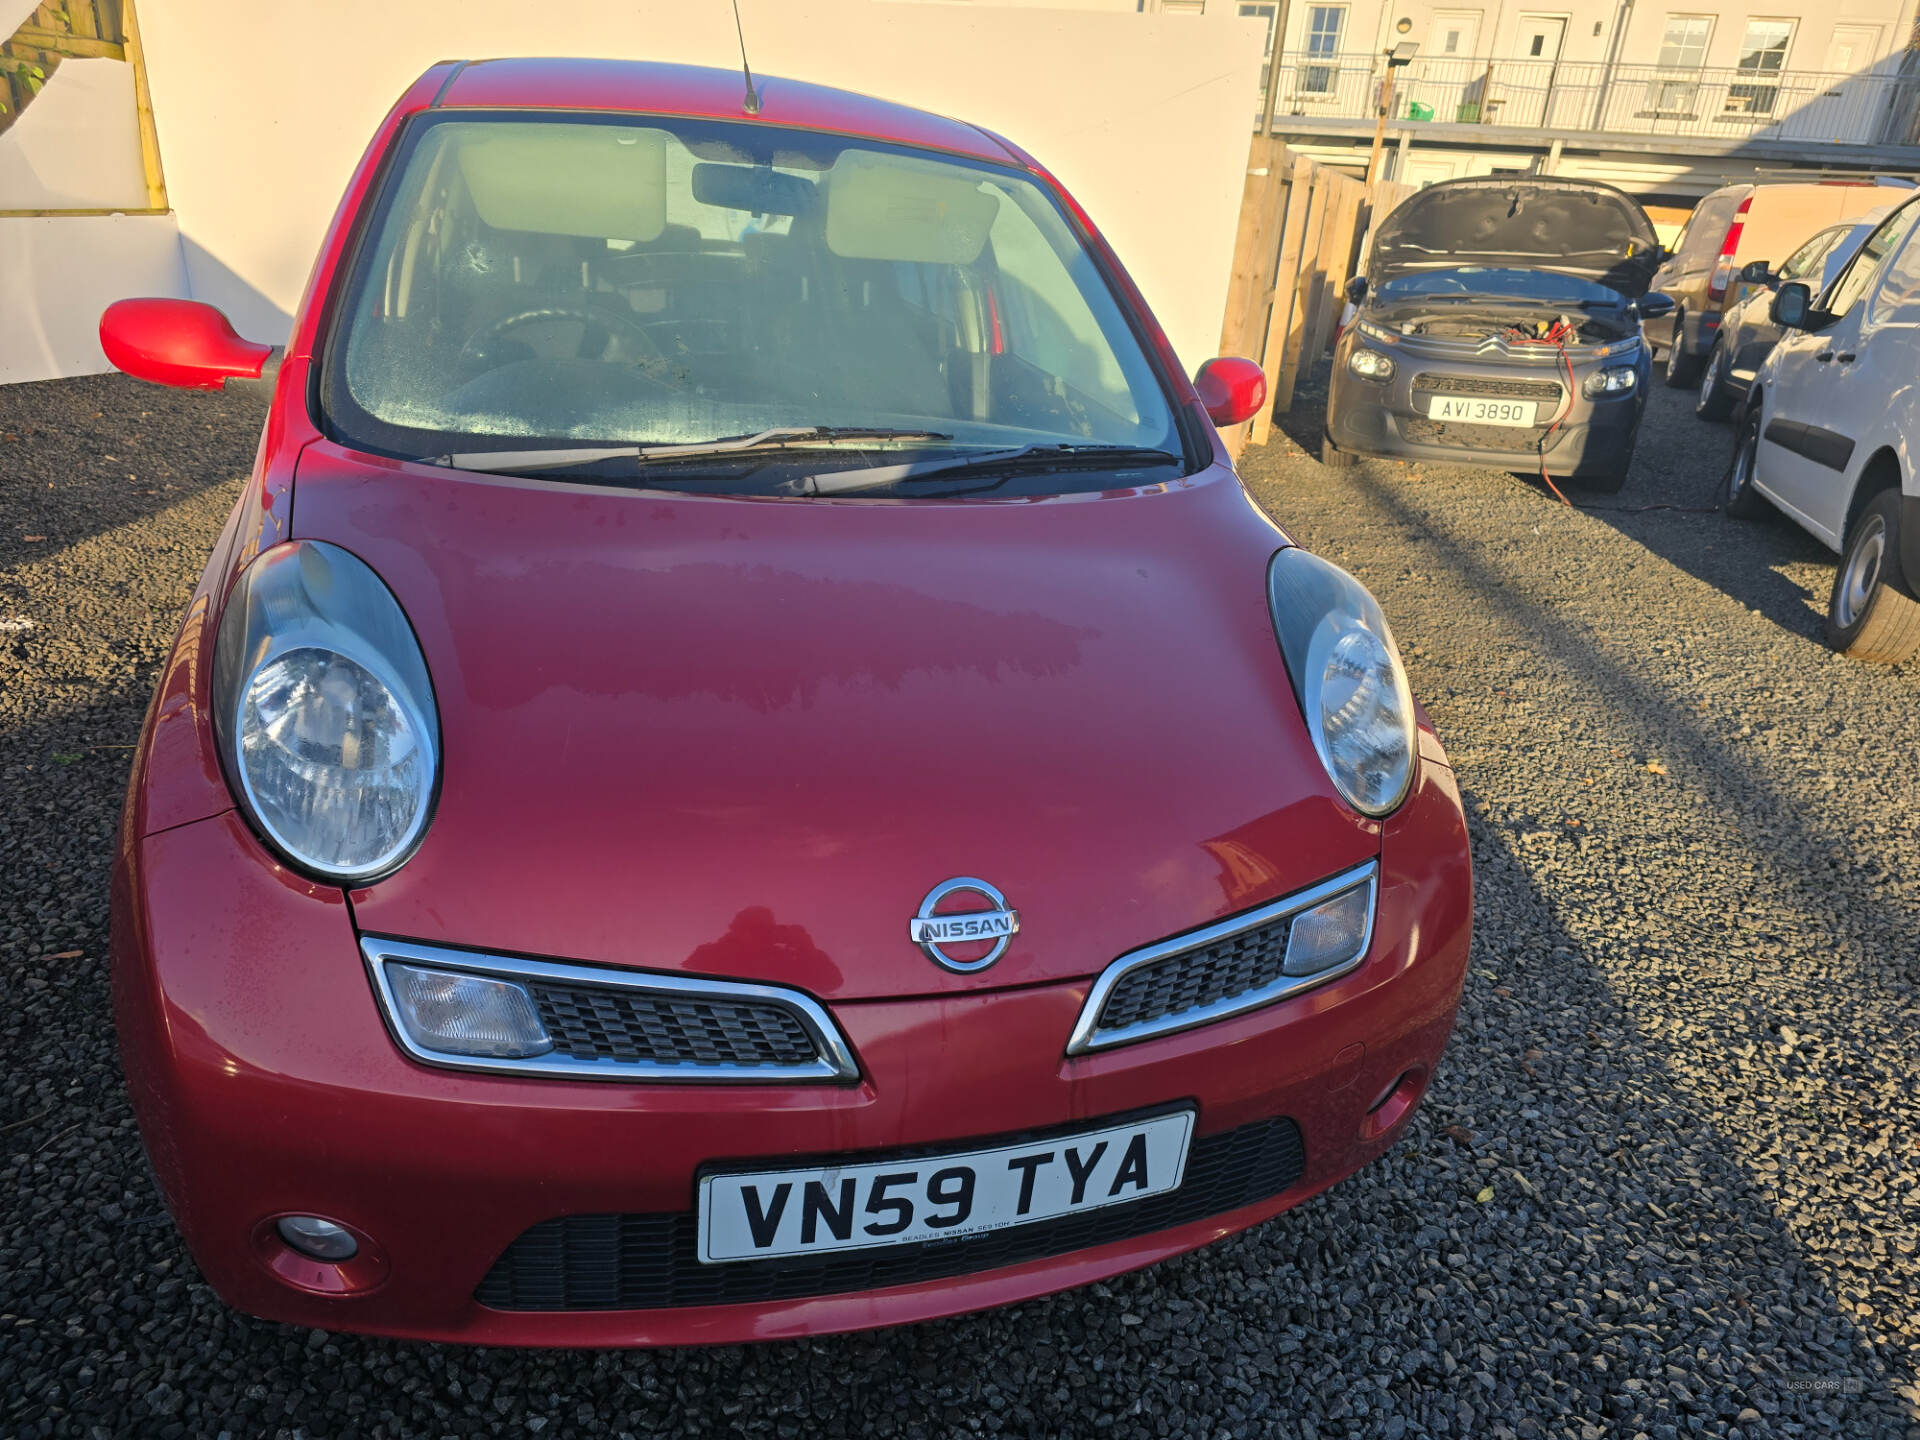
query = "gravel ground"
x=1666 y=1167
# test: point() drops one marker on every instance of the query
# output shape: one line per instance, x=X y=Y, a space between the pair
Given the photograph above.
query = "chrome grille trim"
x=1088 y=1036
x=832 y=1059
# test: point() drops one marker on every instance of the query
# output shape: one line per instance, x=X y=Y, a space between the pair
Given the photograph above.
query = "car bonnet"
x=1570 y=227
x=747 y=737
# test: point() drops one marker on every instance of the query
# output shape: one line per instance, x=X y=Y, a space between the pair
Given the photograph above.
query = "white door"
x=1447 y=77
x=1850 y=104
x=1526 y=94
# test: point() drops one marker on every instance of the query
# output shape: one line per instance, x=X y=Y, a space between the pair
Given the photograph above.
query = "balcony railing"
x=1720 y=102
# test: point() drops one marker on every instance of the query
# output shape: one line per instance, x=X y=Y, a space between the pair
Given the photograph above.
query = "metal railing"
x=1870 y=108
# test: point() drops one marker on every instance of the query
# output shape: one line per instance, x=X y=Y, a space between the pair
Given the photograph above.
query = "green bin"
x=1418 y=110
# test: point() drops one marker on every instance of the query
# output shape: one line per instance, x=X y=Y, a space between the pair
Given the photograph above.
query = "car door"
x=1820 y=401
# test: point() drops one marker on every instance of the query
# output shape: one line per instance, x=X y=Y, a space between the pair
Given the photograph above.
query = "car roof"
x=642 y=87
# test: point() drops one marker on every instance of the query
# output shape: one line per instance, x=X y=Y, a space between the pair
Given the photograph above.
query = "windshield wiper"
x=779 y=438
x=1009 y=462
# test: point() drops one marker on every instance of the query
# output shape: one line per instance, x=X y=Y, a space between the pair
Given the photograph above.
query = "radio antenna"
x=752 y=102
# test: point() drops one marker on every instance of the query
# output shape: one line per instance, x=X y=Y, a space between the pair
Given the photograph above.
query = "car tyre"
x=1737 y=496
x=1872 y=613
x=1682 y=368
x=1335 y=459
x=1715 y=400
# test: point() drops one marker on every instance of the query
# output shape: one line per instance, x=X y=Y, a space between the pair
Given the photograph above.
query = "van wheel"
x=1737 y=495
x=1682 y=368
x=1715 y=400
x=1873 y=614
x=1334 y=459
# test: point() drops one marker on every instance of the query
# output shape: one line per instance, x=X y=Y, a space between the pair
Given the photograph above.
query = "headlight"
x=325 y=713
x=1347 y=675
x=1616 y=380
x=1370 y=364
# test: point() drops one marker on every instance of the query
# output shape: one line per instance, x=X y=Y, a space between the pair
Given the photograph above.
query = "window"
x=1855 y=280
x=1324 y=26
x=1762 y=53
x=1266 y=13
x=673 y=280
x=1899 y=294
x=1683 y=47
x=1807 y=259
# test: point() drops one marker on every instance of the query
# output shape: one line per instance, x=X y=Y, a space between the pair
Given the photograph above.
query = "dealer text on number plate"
x=1481 y=412
x=764 y=1214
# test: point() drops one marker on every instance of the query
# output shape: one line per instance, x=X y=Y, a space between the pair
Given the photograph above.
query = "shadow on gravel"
x=80 y=457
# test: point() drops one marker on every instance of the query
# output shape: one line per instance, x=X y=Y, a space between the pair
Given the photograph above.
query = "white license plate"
x=1480 y=412
x=812 y=1210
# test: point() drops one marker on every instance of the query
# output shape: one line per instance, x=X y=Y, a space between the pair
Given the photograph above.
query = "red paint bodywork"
x=741 y=737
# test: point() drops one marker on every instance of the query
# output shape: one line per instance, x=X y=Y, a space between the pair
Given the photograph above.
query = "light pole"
x=1398 y=58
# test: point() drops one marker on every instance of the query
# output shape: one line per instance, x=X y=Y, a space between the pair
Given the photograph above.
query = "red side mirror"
x=1231 y=388
x=178 y=342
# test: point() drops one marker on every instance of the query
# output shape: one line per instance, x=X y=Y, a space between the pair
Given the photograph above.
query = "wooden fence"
x=1301 y=228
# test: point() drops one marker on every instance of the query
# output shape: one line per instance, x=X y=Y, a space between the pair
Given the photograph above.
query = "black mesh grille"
x=591 y=1023
x=1195 y=978
x=649 y=1262
x=1487 y=386
x=1477 y=437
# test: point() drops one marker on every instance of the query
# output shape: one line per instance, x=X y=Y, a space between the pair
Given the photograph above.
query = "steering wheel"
x=603 y=336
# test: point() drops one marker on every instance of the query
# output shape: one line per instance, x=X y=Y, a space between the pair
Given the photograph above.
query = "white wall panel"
x=263 y=110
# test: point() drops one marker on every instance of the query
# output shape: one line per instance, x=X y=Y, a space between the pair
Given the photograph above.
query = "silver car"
x=1749 y=333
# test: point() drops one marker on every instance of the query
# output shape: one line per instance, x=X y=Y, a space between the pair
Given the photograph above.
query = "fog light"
x=1617 y=380
x=1370 y=364
x=1331 y=933
x=321 y=1239
x=460 y=1014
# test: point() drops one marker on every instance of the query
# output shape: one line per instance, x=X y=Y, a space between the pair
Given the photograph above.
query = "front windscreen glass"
x=1475 y=282
x=566 y=282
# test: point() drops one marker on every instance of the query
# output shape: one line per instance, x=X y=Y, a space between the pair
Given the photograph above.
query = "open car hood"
x=1571 y=227
x=746 y=737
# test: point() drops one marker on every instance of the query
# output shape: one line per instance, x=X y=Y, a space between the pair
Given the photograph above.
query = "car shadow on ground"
x=1670 y=505
x=80 y=457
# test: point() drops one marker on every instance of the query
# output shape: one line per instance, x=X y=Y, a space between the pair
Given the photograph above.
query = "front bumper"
x=1389 y=421
x=265 y=1083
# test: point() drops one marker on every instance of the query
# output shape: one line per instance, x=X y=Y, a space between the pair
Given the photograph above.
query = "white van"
x=1828 y=435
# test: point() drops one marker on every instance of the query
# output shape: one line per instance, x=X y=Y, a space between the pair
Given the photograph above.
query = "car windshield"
x=1481 y=283
x=539 y=283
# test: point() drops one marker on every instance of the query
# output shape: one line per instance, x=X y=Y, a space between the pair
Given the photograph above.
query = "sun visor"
x=605 y=182
x=891 y=207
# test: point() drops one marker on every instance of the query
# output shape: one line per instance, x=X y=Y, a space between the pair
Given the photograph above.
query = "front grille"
x=1197 y=978
x=608 y=1023
x=1225 y=969
x=1476 y=437
x=589 y=1023
x=1489 y=387
x=649 y=1262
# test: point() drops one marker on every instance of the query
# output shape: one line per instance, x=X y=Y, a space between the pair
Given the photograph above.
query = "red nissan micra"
x=744 y=766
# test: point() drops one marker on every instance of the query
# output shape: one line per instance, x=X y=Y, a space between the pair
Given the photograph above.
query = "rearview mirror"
x=1792 y=307
x=758 y=189
x=1232 y=389
x=1756 y=272
x=1653 y=305
x=179 y=342
x=1357 y=289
